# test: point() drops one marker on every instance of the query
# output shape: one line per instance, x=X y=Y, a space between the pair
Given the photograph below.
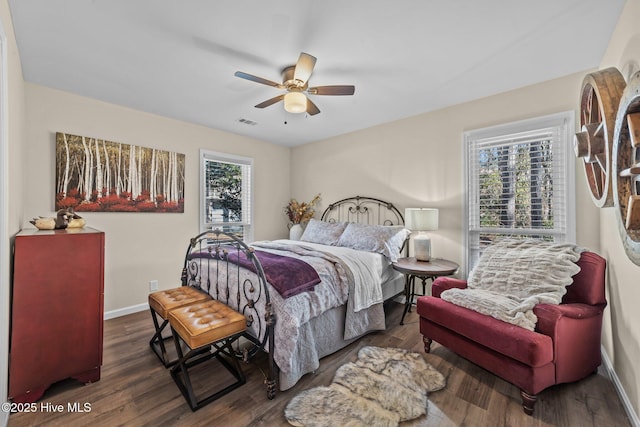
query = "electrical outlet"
x=153 y=285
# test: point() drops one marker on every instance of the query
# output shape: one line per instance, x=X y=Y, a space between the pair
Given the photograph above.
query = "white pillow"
x=384 y=239
x=326 y=233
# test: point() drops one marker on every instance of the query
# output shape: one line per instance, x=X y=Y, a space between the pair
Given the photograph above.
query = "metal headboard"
x=363 y=210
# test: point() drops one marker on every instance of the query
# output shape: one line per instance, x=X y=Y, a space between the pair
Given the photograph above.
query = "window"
x=226 y=193
x=520 y=183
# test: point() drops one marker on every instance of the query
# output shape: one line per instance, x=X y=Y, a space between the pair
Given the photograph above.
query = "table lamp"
x=421 y=219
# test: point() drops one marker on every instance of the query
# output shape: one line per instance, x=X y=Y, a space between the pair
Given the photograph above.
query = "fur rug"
x=383 y=387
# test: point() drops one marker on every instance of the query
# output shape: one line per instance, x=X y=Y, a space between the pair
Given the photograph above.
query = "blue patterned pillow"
x=384 y=239
x=326 y=233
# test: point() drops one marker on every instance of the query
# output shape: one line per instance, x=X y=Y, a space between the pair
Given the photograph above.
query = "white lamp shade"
x=421 y=219
x=295 y=102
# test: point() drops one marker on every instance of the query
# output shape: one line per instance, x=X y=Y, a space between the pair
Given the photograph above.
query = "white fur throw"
x=512 y=276
x=381 y=388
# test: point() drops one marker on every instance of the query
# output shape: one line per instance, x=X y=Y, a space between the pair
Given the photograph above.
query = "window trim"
x=565 y=119
x=229 y=158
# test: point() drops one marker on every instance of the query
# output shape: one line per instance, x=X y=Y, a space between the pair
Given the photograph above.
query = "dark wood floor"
x=135 y=390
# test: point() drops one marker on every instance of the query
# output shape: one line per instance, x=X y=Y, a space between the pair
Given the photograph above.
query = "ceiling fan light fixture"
x=295 y=80
x=295 y=102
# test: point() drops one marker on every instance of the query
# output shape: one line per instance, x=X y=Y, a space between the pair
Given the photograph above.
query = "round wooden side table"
x=423 y=270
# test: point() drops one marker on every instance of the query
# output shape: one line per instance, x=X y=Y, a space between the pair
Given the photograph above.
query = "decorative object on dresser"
x=65 y=218
x=564 y=345
x=383 y=387
x=412 y=269
x=421 y=219
x=75 y=220
x=56 y=310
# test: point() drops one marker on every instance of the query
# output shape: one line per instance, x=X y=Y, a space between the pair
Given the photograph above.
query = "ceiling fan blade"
x=332 y=90
x=270 y=101
x=257 y=79
x=304 y=67
x=312 y=109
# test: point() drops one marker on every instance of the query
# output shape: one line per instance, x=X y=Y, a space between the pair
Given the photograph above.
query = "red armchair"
x=564 y=347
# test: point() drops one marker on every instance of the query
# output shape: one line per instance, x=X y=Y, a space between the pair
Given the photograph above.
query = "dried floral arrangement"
x=300 y=212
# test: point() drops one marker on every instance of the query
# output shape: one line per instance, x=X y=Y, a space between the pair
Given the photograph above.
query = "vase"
x=295 y=232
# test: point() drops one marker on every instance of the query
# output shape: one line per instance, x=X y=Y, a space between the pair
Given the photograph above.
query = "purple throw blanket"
x=289 y=276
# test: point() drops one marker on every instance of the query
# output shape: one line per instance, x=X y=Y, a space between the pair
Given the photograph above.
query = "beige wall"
x=15 y=126
x=143 y=246
x=417 y=162
x=624 y=285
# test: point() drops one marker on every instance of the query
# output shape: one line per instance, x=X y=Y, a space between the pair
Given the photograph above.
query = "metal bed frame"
x=363 y=210
x=216 y=246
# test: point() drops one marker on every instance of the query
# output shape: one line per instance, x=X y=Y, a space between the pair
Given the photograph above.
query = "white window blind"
x=226 y=193
x=520 y=183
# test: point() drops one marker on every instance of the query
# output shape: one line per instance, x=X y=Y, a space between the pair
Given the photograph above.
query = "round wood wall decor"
x=626 y=168
x=599 y=100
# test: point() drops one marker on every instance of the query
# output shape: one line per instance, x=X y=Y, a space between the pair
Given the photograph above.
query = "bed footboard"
x=223 y=266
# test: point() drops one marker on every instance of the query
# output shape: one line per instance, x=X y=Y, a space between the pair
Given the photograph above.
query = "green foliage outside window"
x=224 y=192
x=516 y=186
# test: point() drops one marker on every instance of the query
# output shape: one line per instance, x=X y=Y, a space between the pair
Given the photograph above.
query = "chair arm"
x=549 y=315
x=575 y=330
x=441 y=284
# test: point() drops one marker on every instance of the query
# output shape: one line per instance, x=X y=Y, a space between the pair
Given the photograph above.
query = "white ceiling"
x=405 y=57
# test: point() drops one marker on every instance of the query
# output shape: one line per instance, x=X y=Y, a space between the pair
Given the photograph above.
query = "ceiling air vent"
x=247 y=122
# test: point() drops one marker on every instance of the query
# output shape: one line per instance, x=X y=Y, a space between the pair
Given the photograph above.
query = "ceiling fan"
x=295 y=80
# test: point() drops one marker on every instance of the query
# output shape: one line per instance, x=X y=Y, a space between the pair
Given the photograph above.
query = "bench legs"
x=160 y=303
x=220 y=350
x=157 y=340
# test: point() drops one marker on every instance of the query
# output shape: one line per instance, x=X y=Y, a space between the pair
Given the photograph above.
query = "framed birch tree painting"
x=94 y=175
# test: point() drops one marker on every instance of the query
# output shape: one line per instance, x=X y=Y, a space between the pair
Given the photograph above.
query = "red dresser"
x=57 y=310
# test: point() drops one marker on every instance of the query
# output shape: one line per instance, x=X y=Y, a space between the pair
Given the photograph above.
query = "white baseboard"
x=124 y=311
x=633 y=417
